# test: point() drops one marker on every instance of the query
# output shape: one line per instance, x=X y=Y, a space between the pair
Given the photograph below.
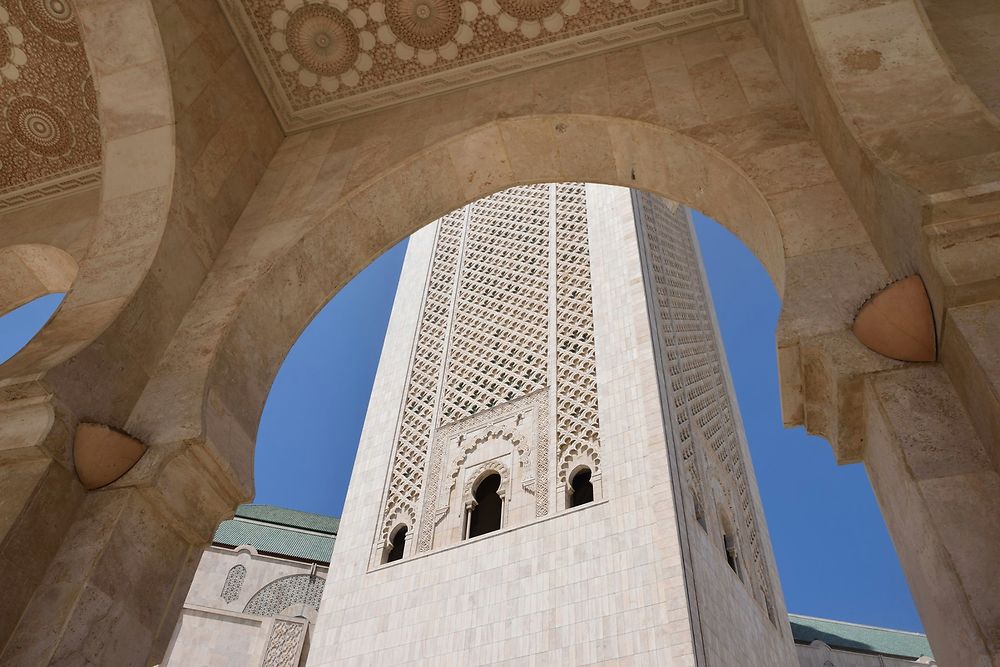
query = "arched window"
x=488 y=507
x=398 y=542
x=582 y=488
x=729 y=544
x=699 y=513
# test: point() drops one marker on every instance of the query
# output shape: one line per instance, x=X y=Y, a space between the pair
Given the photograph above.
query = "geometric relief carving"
x=49 y=134
x=702 y=407
x=577 y=425
x=484 y=357
x=281 y=593
x=234 y=582
x=420 y=402
x=284 y=646
x=480 y=471
x=352 y=56
x=498 y=350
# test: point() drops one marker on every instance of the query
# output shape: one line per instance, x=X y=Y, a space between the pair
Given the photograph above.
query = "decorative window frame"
x=473 y=479
x=388 y=544
x=579 y=457
x=400 y=516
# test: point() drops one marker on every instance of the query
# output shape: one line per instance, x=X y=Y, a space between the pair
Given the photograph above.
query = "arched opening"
x=397 y=545
x=486 y=513
x=730 y=544
x=226 y=373
x=20 y=325
x=581 y=488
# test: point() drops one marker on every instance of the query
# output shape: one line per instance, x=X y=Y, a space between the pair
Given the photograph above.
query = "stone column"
x=39 y=494
x=99 y=576
x=940 y=495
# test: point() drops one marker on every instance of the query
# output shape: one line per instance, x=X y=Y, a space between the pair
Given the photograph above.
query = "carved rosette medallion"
x=39 y=126
x=12 y=56
x=529 y=10
x=423 y=24
x=531 y=17
x=53 y=18
x=321 y=43
x=424 y=29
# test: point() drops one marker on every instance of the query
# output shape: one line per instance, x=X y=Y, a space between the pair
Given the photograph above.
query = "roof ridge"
x=859 y=625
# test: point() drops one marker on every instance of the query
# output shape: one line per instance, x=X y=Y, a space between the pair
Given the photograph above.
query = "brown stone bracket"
x=897 y=322
x=101 y=454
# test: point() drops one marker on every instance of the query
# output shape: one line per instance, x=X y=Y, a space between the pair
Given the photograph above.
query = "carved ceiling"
x=321 y=60
x=50 y=140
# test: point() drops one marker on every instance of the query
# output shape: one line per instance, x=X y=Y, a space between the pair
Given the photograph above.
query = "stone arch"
x=481 y=472
x=29 y=271
x=137 y=173
x=500 y=432
x=856 y=67
x=580 y=455
x=340 y=241
x=959 y=30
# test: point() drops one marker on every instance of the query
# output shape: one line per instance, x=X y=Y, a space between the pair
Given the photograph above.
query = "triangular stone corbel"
x=897 y=322
x=102 y=455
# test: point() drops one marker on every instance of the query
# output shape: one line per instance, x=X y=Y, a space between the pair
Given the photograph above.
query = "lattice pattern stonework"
x=576 y=376
x=284 y=646
x=709 y=444
x=410 y=456
x=498 y=268
x=234 y=582
x=282 y=593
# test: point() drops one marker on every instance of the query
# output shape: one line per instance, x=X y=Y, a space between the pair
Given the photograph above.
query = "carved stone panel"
x=284 y=645
x=506 y=336
x=320 y=60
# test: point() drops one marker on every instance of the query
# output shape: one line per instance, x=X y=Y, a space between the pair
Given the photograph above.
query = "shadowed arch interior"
x=487 y=514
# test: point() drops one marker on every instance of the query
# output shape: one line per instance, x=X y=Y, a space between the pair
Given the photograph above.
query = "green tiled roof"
x=853 y=637
x=280 y=532
x=285 y=517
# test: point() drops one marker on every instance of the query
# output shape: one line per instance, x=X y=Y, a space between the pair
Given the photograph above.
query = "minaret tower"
x=553 y=467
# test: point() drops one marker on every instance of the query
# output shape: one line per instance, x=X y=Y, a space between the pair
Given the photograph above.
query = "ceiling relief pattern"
x=321 y=60
x=50 y=140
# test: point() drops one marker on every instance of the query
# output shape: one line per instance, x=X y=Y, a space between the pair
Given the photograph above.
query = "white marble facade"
x=630 y=578
x=246 y=608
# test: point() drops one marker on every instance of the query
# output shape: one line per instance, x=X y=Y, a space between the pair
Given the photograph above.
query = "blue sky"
x=834 y=555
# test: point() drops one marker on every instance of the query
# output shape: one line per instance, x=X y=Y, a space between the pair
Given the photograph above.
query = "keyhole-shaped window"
x=487 y=512
x=583 y=488
x=398 y=541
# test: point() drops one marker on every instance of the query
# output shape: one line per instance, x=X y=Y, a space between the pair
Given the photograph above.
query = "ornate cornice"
x=479 y=43
x=75 y=180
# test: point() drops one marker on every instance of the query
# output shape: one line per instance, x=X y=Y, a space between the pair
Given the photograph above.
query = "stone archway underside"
x=216 y=241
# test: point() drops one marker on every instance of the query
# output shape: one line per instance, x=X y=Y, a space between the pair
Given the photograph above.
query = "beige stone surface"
x=846 y=143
